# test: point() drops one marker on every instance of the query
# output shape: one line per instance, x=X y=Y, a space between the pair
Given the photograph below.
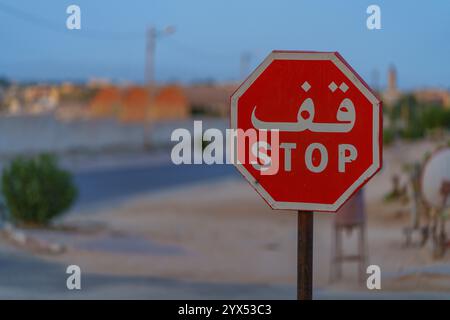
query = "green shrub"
x=436 y=117
x=37 y=190
x=388 y=136
x=413 y=132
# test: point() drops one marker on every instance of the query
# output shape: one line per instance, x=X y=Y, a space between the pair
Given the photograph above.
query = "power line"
x=194 y=50
x=57 y=27
x=90 y=33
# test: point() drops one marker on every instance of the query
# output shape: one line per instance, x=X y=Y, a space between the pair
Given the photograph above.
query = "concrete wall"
x=32 y=134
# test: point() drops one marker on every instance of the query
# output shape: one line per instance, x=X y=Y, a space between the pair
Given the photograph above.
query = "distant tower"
x=391 y=95
x=392 y=79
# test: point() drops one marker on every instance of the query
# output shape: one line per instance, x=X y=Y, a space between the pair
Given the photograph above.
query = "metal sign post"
x=305 y=235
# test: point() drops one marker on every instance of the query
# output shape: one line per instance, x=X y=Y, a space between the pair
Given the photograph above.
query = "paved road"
x=105 y=187
x=25 y=277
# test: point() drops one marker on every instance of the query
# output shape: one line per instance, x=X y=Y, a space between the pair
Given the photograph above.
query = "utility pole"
x=150 y=56
x=152 y=35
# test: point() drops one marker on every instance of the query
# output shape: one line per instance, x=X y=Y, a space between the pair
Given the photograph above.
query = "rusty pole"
x=305 y=234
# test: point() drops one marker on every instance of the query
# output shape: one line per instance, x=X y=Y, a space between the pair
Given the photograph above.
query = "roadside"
x=222 y=233
x=199 y=232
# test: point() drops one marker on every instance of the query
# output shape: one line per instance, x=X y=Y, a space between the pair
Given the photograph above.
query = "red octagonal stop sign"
x=328 y=123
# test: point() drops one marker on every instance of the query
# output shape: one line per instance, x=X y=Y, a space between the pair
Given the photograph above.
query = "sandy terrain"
x=224 y=232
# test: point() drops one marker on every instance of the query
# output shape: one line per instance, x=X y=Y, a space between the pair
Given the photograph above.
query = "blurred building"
x=432 y=96
x=40 y=98
x=98 y=83
x=11 y=100
x=170 y=103
x=106 y=102
x=31 y=99
x=74 y=101
x=67 y=88
x=209 y=98
x=391 y=94
x=136 y=104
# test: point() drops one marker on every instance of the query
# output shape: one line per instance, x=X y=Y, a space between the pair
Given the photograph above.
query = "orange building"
x=134 y=104
x=170 y=103
x=106 y=102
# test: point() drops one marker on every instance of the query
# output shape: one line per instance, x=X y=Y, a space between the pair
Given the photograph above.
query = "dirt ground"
x=224 y=232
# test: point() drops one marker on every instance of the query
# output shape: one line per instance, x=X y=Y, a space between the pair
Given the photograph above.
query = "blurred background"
x=85 y=122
